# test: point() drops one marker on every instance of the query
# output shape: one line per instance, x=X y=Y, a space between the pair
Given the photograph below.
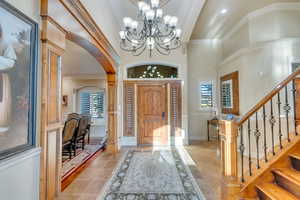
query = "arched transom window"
x=152 y=71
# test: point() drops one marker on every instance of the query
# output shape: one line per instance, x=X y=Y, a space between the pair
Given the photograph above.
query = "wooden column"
x=229 y=133
x=53 y=45
x=112 y=144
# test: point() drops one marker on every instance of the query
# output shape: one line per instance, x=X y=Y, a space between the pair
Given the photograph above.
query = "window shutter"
x=176 y=115
x=85 y=103
x=226 y=94
x=129 y=110
x=206 y=95
x=92 y=104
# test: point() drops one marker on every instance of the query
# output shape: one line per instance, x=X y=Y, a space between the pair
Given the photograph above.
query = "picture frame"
x=65 y=100
x=229 y=86
x=19 y=47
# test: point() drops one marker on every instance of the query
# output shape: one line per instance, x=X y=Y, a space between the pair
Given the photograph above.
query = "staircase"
x=286 y=181
x=261 y=151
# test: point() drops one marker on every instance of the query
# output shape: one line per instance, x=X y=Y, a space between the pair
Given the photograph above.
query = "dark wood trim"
x=235 y=110
x=129 y=126
x=106 y=63
x=52 y=21
x=176 y=108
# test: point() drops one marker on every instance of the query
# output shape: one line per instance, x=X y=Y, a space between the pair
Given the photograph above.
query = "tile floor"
x=207 y=172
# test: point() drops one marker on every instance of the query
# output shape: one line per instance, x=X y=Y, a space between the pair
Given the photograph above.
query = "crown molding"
x=200 y=41
x=252 y=48
x=260 y=12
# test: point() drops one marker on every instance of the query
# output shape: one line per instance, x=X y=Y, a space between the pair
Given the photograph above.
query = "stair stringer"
x=263 y=175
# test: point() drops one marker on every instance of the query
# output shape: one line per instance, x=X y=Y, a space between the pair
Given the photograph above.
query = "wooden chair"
x=73 y=115
x=83 y=129
x=69 y=136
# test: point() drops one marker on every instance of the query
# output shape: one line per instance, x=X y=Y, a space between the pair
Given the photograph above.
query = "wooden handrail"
x=268 y=97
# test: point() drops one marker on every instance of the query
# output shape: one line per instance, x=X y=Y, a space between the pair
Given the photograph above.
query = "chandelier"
x=152 y=31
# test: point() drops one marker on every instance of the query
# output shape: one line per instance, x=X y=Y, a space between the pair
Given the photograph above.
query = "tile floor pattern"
x=207 y=172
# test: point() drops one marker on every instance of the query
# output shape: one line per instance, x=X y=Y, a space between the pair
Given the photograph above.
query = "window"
x=229 y=97
x=152 y=71
x=92 y=103
x=226 y=97
x=206 y=95
x=295 y=66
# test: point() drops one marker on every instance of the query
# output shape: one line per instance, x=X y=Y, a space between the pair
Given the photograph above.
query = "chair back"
x=69 y=130
x=83 y=125
x=73 y=115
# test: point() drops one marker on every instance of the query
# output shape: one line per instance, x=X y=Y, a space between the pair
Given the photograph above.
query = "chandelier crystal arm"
x=152 y=31
x=166 y=53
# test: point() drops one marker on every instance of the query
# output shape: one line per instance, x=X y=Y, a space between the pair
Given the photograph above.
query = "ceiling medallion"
x=152 y=30
x=162 y=3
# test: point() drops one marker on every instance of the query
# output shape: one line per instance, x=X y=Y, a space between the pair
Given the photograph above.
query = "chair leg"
x=83 y=143
x=74 y=146
x=70 y=152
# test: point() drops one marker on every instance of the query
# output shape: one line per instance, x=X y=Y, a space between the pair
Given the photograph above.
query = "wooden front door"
x=152 y=114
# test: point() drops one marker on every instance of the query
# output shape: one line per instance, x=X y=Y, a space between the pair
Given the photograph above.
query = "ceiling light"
x=152 y=30
x=224 y=11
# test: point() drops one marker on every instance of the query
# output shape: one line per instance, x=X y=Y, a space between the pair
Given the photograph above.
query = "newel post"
x=228 y=134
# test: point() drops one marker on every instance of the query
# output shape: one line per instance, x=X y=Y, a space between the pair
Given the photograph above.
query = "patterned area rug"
x=151 y=175
x=82 y=156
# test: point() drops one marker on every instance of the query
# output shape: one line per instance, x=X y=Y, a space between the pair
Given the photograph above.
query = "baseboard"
x=129 y=141
x=197 y=137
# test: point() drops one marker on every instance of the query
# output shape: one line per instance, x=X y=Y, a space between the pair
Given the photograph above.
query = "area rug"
x=148 y=175
x=70 y=165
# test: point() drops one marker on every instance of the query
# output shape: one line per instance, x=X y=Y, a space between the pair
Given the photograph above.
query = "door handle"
x=163 y=115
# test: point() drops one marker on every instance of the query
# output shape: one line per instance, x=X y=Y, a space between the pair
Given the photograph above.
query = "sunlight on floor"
x=201 y=157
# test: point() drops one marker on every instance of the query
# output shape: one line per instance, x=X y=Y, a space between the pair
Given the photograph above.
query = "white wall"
x=273 y=35
x=203 y=58
x=261 y=47
x=19 y=175
x=102 y=13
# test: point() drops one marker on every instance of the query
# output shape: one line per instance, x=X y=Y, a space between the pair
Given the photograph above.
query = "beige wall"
x=273 y=22
x=203 y=58
x=71 y=84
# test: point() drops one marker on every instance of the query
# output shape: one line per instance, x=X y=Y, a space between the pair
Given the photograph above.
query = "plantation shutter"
x=85 y=103
x=206 y=95
x=92 y=104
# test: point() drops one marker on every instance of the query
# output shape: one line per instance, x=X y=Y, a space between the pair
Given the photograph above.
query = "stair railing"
x=266 y=125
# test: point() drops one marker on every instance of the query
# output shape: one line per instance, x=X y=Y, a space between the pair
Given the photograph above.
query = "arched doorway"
x=56 y=19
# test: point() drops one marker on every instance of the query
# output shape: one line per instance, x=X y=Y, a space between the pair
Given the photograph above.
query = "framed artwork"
x=65 y=100
x=18 y=64
x=230 y=93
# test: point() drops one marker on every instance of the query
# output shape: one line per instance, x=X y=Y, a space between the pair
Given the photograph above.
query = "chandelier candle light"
x=151 y=31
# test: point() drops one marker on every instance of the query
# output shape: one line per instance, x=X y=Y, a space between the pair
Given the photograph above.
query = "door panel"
x=152 y=114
